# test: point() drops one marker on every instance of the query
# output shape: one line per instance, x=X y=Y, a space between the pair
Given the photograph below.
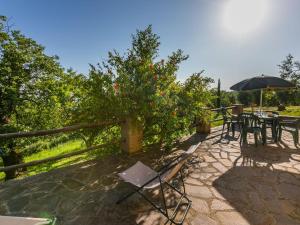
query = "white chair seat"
x=12 y=220
x=139 y=174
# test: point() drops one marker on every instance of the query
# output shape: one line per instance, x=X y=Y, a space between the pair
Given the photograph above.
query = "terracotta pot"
x=203 y=127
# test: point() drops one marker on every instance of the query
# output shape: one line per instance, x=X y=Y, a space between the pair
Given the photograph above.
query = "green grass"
x=290 y=110
x=64 y=148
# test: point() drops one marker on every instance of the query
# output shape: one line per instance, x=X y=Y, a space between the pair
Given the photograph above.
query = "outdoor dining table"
x=265 y=120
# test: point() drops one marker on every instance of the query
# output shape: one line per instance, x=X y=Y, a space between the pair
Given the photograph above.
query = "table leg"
x=264 y=133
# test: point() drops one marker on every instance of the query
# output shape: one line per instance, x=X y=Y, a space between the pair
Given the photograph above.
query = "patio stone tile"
x=220 y=167
x=218 y=205
x=258 y=218
x=226 y=162
x=193 y=181
x=232 y=218
x=232 y=185
x=204 y=176
x=198 y=192
x=216 y=193
x=209 y=170
x=285 y=219
x=203 y=220
x=209 y=159
x=200 y=205
x=224 y=155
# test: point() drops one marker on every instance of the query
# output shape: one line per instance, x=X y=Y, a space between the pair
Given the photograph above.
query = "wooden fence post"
x=132 y=135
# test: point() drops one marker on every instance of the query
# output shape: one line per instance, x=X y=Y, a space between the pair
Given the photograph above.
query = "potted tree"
x=196 y=96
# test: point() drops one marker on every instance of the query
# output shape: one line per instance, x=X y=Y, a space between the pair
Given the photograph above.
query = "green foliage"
x=227 y=98
x=270 y=98
x=248 y=98
x=35 y=91
x=139 y=85
x=196 y=96
x=289 y=69
x=64 y=148
x=219 y=94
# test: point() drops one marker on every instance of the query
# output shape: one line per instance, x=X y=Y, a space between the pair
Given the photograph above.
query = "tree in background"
x=228 y=98
x=195 y=96
x=35 y=92
x=224 y=98
x=249 y=98
x=289 y=69
x=219 y=94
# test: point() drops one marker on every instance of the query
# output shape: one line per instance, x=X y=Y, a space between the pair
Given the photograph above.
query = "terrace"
x=230 y=185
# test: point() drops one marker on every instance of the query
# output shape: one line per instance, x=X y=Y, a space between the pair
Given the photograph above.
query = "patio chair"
x=230 y=121
x=13 y=220
x=144 y=178
x=291 y=125
x=272 y=124
x=250 y=124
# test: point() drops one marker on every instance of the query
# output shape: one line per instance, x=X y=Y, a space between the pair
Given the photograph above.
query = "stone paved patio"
x=231 y=185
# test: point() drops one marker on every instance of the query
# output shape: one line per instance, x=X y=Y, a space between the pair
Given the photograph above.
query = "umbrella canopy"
x=262 y=82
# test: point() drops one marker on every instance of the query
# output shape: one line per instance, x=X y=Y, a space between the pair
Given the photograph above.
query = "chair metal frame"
x=230 y=121
x=250 y=124
x=175 y=166
x=291 y=125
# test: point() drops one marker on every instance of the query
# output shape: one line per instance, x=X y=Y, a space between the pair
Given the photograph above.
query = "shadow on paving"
x=86 y=193
x=259 y=190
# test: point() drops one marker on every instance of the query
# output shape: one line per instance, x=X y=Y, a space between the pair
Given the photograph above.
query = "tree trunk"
x=9 y=159
x=132 y=135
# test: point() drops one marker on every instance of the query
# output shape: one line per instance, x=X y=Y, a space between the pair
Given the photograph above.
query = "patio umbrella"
x=260 y=83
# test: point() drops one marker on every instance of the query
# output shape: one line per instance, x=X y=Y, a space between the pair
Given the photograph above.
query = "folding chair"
x=143 y=178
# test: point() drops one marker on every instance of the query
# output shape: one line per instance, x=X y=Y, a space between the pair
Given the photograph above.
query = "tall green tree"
x=140 y=85
x=35 y=91
x=195 y=96
x=289 y=69
x=219 y=94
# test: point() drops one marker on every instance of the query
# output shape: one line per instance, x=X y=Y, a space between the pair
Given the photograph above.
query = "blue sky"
x=83 y=31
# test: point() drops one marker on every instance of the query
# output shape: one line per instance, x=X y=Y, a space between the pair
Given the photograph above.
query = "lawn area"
x=290 y=110
x=60 y=149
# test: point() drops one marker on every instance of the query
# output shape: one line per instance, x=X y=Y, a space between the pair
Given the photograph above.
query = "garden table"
x=265 y=120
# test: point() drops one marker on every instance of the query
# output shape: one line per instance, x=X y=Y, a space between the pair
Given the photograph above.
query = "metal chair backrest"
x=174 y=171
x=289 y=121
x=249 y=120
x=225 y=113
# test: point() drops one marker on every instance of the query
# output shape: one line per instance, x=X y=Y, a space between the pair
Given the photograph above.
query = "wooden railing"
x=56 y=131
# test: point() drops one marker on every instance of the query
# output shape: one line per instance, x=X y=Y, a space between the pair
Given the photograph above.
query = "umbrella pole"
x=261 y=96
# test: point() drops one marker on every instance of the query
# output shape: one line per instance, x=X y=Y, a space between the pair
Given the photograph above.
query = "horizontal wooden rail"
x=218 y=109
x=58 y=130
x=54 y=158
x=215 y=120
